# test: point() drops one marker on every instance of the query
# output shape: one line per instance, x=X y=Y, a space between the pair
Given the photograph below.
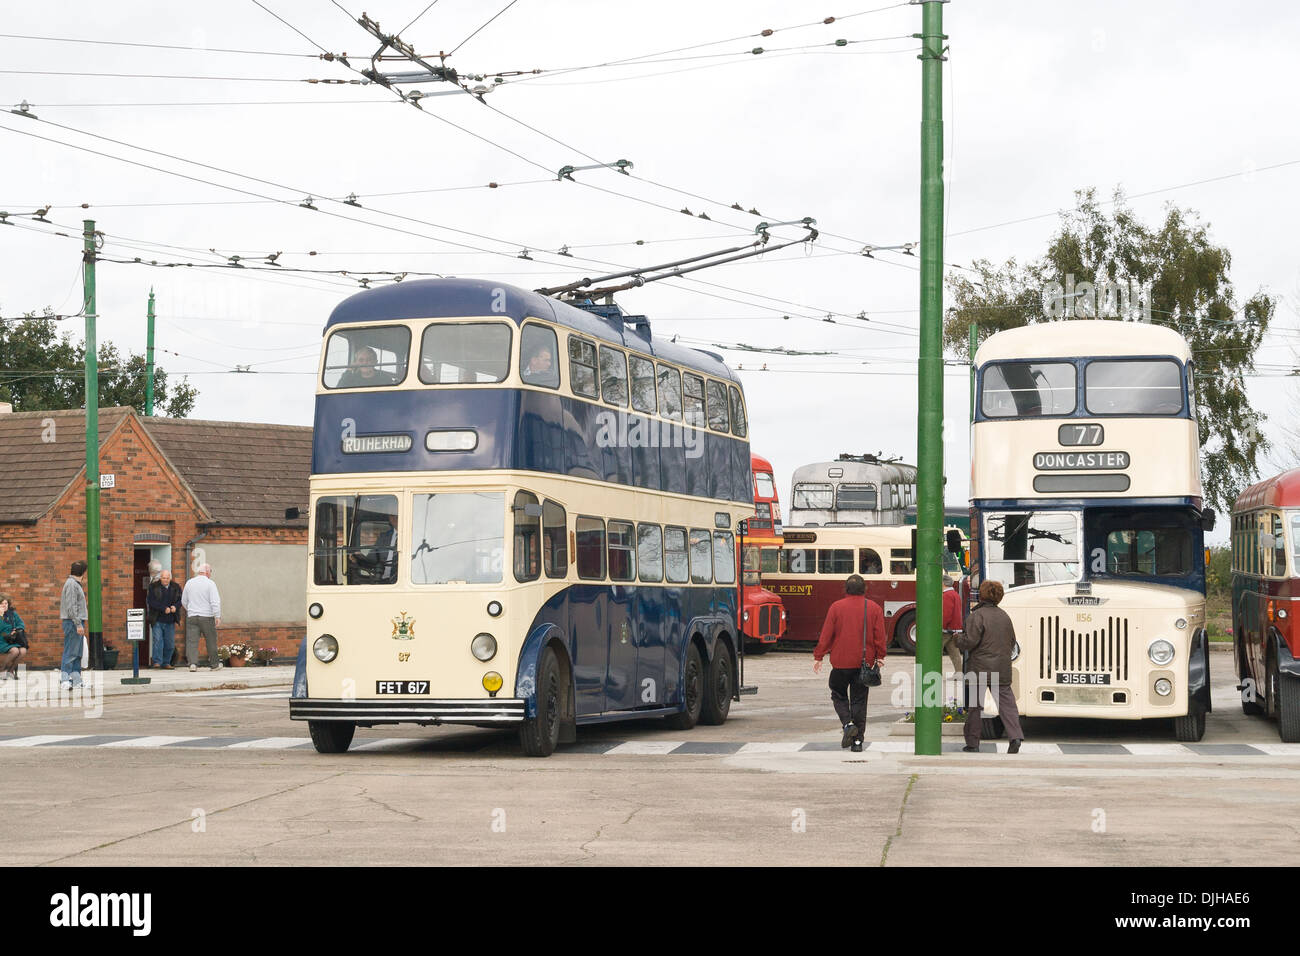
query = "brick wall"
x=148 y=497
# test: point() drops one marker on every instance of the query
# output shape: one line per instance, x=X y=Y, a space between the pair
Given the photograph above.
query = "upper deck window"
x=763 y=487
x=1133 y=387
x=1037 y=547
x=613 y=376
x=693 y=400
x=538 y=356
x=719 y=420
x=643 y=384
x=670 y=392
x=582 y=368
x=1027 y=389
x=367 y=358
x=813 y=494
x=465 y=353
x=739 y=426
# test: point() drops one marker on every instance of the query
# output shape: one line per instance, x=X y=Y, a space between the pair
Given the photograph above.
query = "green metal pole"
x=973 y=346
x=94 y=576
x=929 y=453
x=148 y=385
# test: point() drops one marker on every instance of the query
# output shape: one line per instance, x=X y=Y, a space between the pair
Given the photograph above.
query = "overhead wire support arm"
x=674 y=269
x=432 y=73
x=620 y=165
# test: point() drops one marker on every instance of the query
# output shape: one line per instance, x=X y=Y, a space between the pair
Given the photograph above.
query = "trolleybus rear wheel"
x=331 y=736
x=692 y=692
x=1190 y=728
x=717 y=688
x=540 y=734
x=905 y=633
x=1288 y=711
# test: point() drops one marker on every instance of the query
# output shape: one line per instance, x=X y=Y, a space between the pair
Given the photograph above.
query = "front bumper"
x=378 y=711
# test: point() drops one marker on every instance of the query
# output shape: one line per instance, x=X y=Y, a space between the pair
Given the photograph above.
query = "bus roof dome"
x=1080 y=337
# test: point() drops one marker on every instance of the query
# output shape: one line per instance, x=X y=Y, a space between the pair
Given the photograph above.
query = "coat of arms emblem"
x=403 y=628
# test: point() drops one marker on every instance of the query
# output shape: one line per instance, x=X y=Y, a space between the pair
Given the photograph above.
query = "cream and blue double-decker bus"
x=1086 y=505
x=523 y=513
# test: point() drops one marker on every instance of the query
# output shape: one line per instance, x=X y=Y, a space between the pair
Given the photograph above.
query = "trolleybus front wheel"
x=692 y=692
x=331 y=736
x=1191 y=727
x=1288 y=708
x=717 y=688
x=540 y=734
x=905 y=633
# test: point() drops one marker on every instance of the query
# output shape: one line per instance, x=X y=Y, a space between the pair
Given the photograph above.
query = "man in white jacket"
x=202 y=605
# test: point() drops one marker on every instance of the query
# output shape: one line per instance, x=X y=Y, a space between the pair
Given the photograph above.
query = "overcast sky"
x=1041 y=99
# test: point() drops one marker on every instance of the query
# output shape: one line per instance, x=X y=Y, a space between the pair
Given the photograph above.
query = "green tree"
x=1189 y=290
x=41 y=370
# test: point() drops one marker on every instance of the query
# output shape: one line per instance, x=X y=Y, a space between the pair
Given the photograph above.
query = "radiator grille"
x=1102 y=650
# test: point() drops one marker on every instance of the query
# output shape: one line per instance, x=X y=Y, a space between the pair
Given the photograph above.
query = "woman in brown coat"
x=989 y=639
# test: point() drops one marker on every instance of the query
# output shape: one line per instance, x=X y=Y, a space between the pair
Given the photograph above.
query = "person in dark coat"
x=13 y=644
x=989 y=639
x=164 y=600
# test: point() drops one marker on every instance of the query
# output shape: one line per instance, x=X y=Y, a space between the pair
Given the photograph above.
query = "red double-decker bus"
x=809 y=571
x=762 y=614
x=1266 y=600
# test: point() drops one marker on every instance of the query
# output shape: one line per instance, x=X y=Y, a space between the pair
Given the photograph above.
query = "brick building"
x=184 y=493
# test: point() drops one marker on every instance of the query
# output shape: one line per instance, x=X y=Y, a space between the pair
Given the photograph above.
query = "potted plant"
x=234 y=654
x=263 y=656
x=110 y=656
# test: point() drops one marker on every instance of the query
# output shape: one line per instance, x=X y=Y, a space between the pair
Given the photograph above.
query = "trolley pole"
x=929 y=454
x=148 y=383
x=94 y=575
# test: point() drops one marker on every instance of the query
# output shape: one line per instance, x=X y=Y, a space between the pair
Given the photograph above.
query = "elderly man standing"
x=164 y=600
x=202 y=605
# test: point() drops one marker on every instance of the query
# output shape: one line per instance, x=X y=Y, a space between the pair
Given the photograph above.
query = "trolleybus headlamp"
x=326 y=648
x=1181 y=623
x=1164 y=687
x=1161 y=652
x=1015 y=649
x=466 y=440
x=494 y=608
x=1281 y=612
x=484 y=647
x=492 y=682
x=315 y=611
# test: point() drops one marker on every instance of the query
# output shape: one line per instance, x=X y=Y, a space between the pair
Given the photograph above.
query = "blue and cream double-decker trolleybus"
x=1086 y=505
x=522 y=513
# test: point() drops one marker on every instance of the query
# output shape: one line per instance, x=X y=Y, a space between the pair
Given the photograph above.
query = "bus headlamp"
x=492 y=682
x=1164 y=687
x=1161 y=652
x=745 y=616
x=1015 y=649
x=326 y=648
x=484 y=647
x=1181 y=623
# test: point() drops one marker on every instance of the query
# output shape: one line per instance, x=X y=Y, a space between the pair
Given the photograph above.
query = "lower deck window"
x=590 y=536
x=622 y=551
x=701 y=558
x=676 y=568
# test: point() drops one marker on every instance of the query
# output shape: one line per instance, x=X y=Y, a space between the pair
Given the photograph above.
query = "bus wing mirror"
x=1208 y=518
x=954 y=541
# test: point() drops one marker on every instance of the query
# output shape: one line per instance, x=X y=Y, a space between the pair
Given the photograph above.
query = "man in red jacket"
x=854 y=631
x=952 y=628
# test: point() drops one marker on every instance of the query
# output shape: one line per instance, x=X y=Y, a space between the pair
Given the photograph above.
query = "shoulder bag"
x=869 y=674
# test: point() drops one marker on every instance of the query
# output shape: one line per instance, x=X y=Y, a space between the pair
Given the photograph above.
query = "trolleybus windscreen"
x=1028 y=389
x=356 y=540
x=367 y=357
x=1039 y=547
x=458 y=537
x=1133 y=387
x=811 y=494
x=465 y=353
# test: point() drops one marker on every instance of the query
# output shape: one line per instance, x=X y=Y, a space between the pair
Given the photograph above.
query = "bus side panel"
x=582 y=456
x=720 y=464
x=697 y=468
x=540 y=438
x=741 y=489
x=620 y=674
x=674 y=635
x=807 y=606
x=725 y=611
x=643 y=457
x=672 y=469
x=590 y=642
x=651 y=616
